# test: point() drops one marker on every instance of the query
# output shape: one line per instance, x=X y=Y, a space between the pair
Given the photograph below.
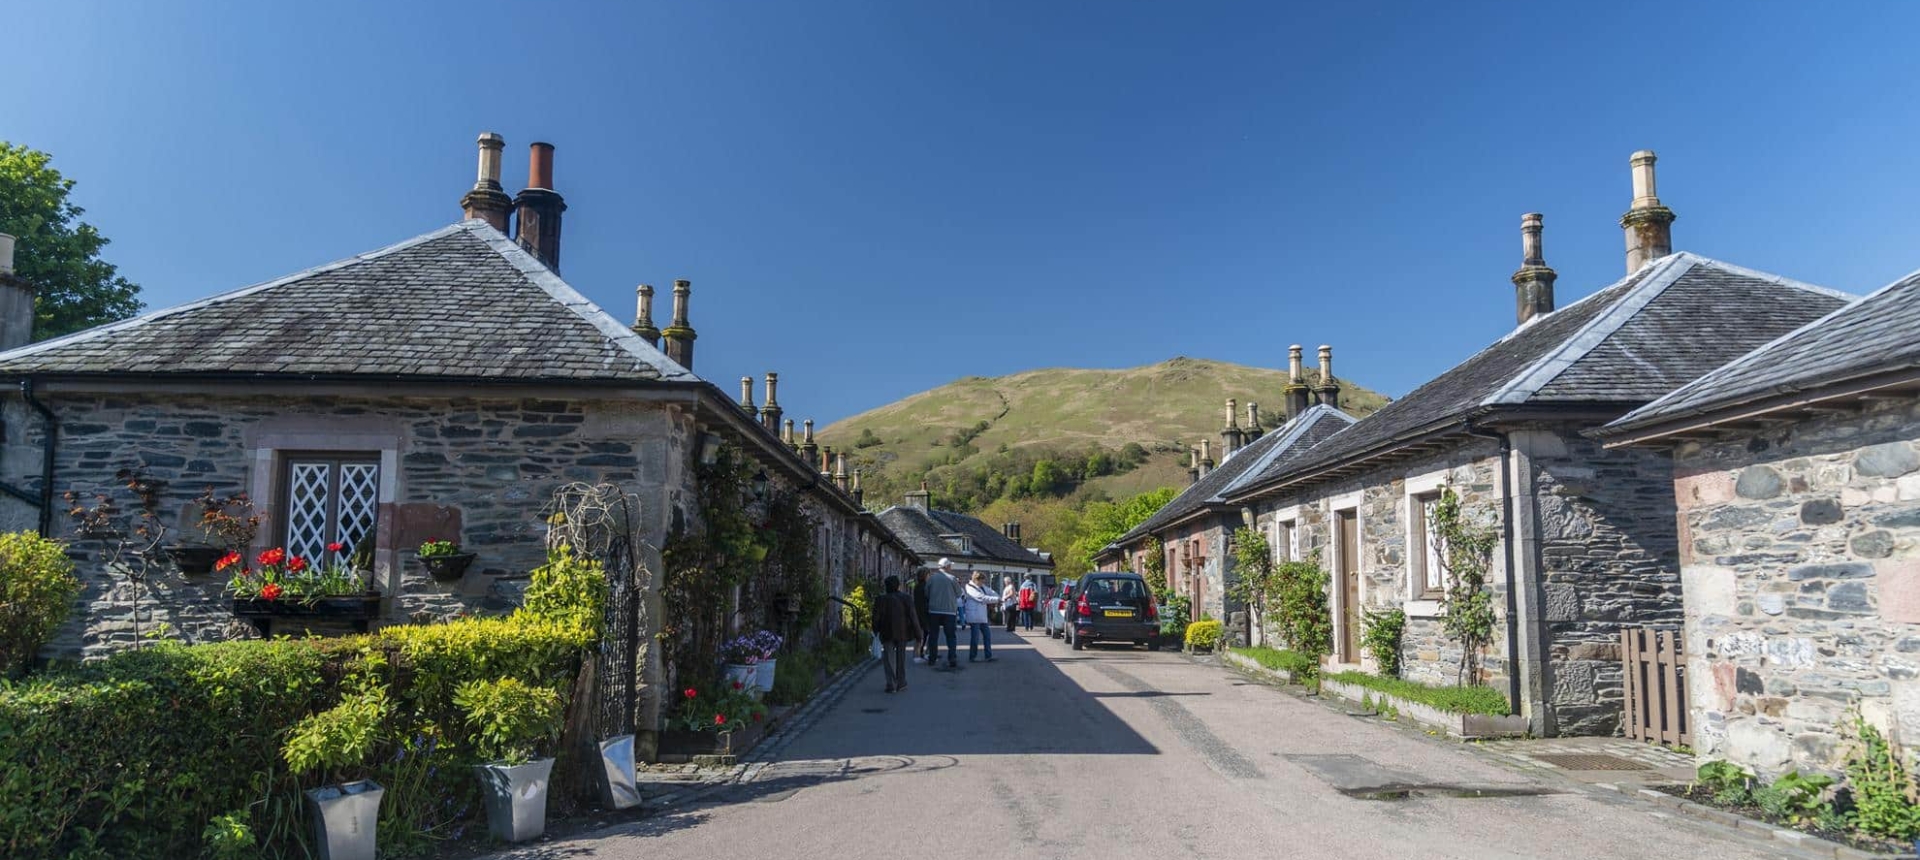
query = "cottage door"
x=1345 y=522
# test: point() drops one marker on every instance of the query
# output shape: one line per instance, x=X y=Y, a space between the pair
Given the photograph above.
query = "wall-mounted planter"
x=447 y=568
x=618 y=788
x=358 y=610
x=194 y=560
x=1456 y=725
x=344 y=817
x=516 y=798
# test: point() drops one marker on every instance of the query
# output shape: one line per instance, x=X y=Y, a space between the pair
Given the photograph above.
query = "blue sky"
x=877 y=198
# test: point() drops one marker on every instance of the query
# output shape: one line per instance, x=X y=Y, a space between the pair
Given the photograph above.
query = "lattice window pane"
x=359 y=501
x=309 y=507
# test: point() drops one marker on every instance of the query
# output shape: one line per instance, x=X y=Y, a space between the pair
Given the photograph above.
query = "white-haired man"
x=943 y=602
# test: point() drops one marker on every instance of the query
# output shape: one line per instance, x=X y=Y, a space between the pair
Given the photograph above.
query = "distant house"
x=1587 y=543
x=1797 y=476
x=1195 y=529
x=971 y=544
x=441 y=387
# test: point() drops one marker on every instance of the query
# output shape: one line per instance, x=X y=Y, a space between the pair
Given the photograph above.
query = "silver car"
x=1055 y=609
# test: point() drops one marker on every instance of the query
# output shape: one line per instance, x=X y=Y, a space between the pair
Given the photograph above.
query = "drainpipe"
x=49 y=451
x=1506 y=543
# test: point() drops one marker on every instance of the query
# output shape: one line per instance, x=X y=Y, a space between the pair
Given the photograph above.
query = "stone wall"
x=1801 y=558
x=476 y=471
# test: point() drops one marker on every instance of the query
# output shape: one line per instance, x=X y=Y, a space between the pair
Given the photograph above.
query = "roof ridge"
x=98 y=331
x=1756 y=274
x=1658 y=276
x=573 y=300
x=1305 y=420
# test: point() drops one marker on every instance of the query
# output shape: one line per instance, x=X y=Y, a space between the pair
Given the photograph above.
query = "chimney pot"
x=679 y=334
x=1329 y=389
x=643 y=317
x=486 y=201
x=770 y=412
x=540 y=166
x=1297 y=393
x=1649 y=223
x=538 y=208
x=1533 y=283
x=746 y=393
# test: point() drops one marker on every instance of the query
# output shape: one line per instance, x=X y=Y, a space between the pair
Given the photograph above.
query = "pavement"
x=1116 y=753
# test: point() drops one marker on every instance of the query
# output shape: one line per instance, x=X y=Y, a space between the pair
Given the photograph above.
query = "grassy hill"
x=1096 y=434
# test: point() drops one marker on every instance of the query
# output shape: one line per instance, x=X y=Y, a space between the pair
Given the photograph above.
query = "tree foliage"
x=57 y=252
x=1102 y=522
x=1466 y=549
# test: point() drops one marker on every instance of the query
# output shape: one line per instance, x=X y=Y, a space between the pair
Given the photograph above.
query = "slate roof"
x=1640 y=337
x=921 y=530
x=461 y=302
x=1285 y=443
x=1875 y=334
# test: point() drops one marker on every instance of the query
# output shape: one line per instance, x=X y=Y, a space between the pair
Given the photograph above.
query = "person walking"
x=920 y=615
x=1029 y=601
x=943 y=603
x=1007 y=602
x=979 y=595
x=896 y=623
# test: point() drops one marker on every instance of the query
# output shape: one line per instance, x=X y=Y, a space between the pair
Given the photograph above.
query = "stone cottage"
x=1797 y=477
x=440 y=387
x=971 y=544
x=1587 y=543
x=1195 y=529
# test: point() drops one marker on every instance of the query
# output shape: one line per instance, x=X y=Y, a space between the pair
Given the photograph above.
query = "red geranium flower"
x=226 y=561
x=269 y=591
x=336 y=546
x=296 y=564
x=272 y=556
x=757 y=715
x=736 y=685
x=689 y=693
x=719 y=719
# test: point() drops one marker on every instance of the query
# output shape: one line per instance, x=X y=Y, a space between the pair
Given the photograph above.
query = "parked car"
x=1054 y=610
x=1113 y=607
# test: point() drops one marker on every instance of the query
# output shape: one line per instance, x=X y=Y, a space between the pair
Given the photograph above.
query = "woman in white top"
x=977 y=597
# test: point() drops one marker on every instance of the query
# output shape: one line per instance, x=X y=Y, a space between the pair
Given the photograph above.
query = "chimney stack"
x=1206 y=457
x=771 y=412
x=679 y=334
x=1328 y=389
x=643 y=318
x=487 y=201
x=1193 y=465
x=1648 y=224
x=16 y=301
x=1254 y=430
x=826 y=461
x=1230 y=434
x=808 y=450
x=840 y=472
x=920 y=500
x=786 y=435
x=859 y=494
x=746 y=396
x=1298 y=395
x=538 y=208
x=1533 y=283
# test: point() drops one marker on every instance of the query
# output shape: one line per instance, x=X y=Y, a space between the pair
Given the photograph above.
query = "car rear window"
x=1116 y=588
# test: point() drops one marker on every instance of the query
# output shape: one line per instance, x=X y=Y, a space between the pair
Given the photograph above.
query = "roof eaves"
x=1546 y=368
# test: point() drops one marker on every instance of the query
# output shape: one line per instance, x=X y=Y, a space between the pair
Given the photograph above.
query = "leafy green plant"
x=568 y=588
x=339 y=737
x=795 y=680
x=229 y=837
x=1203 y=635
x=37 y=589
x=729 y=709
x=1155 y=554
x=1882 y=790
x=1380 y=635
x=1467 y=614
x=509 y=717
x=1301 y=613
x=1304 y=669
x=437 y=548
x=1730 y=784
x=1175 y=609
x=1457 y=700
x=1254 y=577
x=1795 y=798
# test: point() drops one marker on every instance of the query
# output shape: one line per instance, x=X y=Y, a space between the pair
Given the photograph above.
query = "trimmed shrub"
x=1457 y=700
x=1203 y=635
x=37 y=588
x=1302 y=667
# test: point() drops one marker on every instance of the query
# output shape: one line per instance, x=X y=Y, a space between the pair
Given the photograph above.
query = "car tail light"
x=1153 y=612
x=1086 y=609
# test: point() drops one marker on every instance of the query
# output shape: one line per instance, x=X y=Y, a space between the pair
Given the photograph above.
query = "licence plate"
x=1119 y=613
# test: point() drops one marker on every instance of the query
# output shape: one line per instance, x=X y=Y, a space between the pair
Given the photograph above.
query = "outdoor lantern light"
x=709 y=448
x=760 y=484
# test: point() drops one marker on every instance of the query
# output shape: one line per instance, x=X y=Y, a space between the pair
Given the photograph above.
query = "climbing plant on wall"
x=1466 y=550
x=1253 y=571
x=715 y=551
x=1156 y=563
x=791 y=590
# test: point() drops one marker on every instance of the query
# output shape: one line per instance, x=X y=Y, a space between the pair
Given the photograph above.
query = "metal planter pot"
x=618 y=789
x=516 y=798
x=344 y=817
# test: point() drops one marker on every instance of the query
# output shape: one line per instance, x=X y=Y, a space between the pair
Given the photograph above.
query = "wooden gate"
x=1656 y=682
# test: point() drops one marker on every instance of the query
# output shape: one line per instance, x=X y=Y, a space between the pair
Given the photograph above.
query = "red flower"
x=226 y=561
x=736 y=685
x=296 y=564
x=689 y=693
x=336 y=546
x=269 y=591
x=719 y=719
x=757 y=715
x=272 y=556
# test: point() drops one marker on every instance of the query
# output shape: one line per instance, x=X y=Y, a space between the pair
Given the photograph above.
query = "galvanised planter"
x=516 y=798
x=344 y=817
x=764 y=675
x=447 y=568
x=618 y=789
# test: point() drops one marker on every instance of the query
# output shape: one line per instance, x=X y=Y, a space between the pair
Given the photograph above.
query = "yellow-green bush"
x=134 y=756
x=37 y=588
x=1203 y=635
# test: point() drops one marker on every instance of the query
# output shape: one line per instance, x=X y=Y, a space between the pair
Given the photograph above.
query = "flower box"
x=358 y=610
x=680 y=745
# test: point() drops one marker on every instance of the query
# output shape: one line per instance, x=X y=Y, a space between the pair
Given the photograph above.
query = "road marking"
x=1219 y=755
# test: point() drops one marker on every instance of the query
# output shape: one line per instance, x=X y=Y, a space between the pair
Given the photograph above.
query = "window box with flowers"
x=278 y=585
x=444 y=560
x=713 y=725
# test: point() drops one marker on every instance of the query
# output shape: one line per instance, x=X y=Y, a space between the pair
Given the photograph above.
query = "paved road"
x=1053 y=753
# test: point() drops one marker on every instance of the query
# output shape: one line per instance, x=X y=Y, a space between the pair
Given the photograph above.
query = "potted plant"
x=741 y=658
x=280 y=585
x=768 y=643
x=344 y=813
x=510 y=719
x=444 y=560
x=228 y=525
x=708 y=722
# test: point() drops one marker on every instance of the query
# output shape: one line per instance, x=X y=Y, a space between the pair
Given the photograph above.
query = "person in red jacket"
x=1029 y=601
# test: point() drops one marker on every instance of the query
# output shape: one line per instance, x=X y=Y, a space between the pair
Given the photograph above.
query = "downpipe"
x=1506 y=543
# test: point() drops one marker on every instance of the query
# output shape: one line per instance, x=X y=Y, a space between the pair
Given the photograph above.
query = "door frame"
x=1348 y=503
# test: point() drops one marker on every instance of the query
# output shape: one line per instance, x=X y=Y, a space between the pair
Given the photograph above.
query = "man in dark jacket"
x=896 y=623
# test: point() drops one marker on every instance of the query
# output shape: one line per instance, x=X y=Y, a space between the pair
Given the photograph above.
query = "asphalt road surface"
x=1121 y=754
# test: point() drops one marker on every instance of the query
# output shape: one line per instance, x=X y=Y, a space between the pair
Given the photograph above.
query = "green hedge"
x=135 y=755
x=1302 y=667
x=1458 y=700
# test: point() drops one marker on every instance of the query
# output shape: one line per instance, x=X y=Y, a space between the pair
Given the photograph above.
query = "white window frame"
x=1286 y=547
x=1418 y=604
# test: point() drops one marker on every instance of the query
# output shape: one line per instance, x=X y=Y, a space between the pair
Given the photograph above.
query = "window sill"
x=1424 y=608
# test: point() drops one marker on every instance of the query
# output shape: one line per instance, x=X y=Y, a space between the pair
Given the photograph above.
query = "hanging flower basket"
x=194 y=560
x=447 y=568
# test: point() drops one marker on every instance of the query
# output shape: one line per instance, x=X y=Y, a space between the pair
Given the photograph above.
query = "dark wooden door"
x=1345 y=521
